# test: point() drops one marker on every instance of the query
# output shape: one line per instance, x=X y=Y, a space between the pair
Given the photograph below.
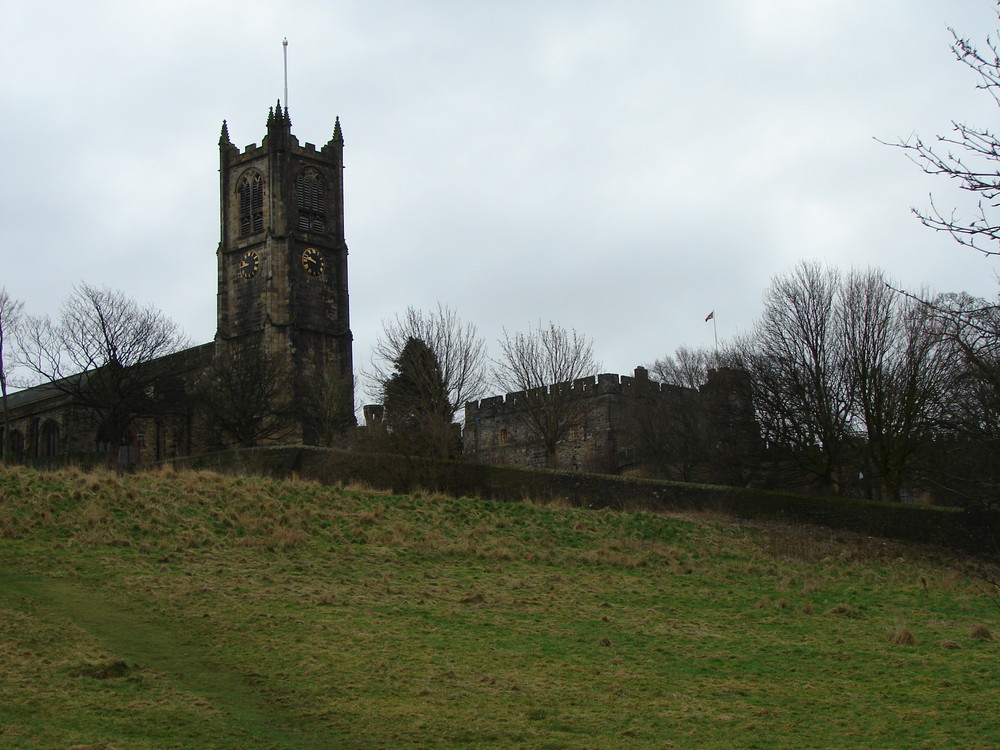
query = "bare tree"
x=801 y=384
x=968 y=155
x=899 y=376
x=330 y=397
x=457 y=347
x=673 y=432
x=700 y=424
x=245 y=394
x=687 y=368
x=968 y=466
x=672 y=423
x=971 y=326
x=102 y=353
x=542 y=365
x=11 y=311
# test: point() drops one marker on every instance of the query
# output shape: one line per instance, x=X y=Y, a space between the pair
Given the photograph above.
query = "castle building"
x=621 y=424
x=601 y=431
x=282 y=296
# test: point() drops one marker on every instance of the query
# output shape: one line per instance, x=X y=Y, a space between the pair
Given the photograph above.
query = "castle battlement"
x=615 y=422
x=604 y=384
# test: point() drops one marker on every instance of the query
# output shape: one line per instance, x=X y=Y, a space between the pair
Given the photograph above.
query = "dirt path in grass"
x=140 y=637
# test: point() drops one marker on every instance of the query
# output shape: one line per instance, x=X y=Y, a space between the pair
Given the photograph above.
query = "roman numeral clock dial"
x=312 y=261
x=249 y=264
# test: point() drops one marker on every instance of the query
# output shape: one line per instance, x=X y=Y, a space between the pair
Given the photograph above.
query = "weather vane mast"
x=284 y=51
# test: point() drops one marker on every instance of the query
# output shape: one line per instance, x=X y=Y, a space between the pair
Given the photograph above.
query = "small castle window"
x=251 y=194
x=311 y=194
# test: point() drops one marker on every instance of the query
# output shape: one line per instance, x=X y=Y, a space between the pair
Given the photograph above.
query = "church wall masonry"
x=46 y=425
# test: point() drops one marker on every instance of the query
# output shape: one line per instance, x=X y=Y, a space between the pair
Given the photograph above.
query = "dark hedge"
x=970 y=530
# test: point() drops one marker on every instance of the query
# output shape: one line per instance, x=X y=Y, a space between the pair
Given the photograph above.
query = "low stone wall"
x=976 y=531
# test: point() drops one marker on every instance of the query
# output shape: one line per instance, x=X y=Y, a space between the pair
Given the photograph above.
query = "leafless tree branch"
x=101 y=352
x=541 y=367
x=460 y=352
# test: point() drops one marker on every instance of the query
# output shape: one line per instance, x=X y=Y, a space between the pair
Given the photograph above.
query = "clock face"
x=249 y=264
x=312 y=261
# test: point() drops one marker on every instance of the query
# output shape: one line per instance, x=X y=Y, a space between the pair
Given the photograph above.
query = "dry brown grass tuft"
x=368 y=518
x=8 y=529
x=951 y=645
x=901 y=636
x=950 y=580
x=102 y=670
x=548 y=503
x=981 y=633
x=812 y=586
x=843 y=610
x=618 y=554
x=430 y=496
x=286 y=538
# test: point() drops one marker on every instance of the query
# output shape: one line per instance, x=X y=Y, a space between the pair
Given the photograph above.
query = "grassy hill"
x=193 y=610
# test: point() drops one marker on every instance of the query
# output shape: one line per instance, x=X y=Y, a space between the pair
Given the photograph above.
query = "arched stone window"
x=50 y=439
x=251 y=194
x=311 y=200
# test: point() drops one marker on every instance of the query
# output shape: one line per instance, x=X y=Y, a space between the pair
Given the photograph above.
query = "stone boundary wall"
x=972 y=530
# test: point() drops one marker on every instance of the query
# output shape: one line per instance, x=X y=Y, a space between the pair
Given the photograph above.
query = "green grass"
x=194 y=610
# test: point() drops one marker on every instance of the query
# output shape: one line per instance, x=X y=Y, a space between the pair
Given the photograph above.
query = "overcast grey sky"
x=622 y=168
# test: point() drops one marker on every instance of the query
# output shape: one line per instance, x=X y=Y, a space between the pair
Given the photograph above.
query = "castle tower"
x=282 y=263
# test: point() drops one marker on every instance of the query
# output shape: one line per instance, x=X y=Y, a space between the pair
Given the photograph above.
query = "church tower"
x=282 y=263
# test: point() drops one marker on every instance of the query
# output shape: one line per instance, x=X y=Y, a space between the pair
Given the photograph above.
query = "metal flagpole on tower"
x=715 y=332
x=284 y=51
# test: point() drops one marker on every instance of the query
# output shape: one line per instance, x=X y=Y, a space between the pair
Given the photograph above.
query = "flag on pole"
x=710 y=316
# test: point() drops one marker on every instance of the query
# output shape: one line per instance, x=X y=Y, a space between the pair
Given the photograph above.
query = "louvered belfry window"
x=251 y=192
x=311 y=195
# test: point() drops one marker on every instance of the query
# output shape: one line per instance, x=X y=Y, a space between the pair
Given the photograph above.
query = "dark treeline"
x=855 y=388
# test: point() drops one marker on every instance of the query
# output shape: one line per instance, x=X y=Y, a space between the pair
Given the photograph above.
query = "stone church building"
x=283 y=316
x=282 y=293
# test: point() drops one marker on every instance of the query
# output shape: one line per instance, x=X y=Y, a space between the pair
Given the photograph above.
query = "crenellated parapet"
x=605 y=384
x=617 y=422
x=279 y=129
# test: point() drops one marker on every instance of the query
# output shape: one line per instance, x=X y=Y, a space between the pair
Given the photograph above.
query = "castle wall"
x=604 y=438
x=628 y=424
